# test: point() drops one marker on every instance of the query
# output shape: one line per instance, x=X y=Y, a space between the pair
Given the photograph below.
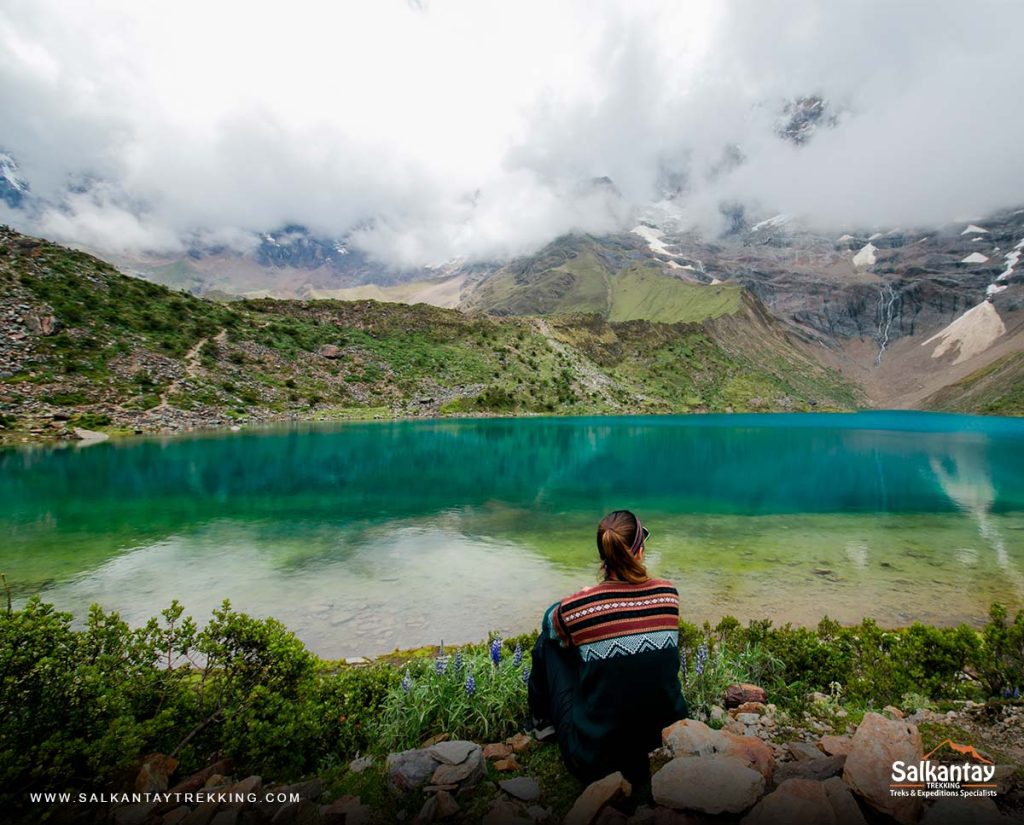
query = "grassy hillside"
x=86 y=346
x=645 y=292
x=997 y=389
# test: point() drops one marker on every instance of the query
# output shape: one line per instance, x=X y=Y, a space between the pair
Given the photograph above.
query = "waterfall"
x=886 y=302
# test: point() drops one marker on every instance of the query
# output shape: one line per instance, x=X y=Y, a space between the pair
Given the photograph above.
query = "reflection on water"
x=366 y=536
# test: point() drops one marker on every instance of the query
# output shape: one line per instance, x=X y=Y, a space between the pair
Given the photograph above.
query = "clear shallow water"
x=366 y=536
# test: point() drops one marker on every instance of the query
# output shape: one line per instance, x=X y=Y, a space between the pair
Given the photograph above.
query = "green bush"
x=477 y=695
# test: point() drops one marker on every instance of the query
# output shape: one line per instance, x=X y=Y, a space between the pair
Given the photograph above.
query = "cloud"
x=476 y=129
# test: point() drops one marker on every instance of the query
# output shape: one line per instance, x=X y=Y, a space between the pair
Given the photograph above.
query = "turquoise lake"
x=366 y=536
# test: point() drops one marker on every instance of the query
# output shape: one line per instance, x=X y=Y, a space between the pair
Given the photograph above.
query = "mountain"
x=86 y=346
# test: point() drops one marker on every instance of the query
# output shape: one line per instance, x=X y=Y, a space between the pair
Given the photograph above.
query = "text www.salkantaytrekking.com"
x=180 y=798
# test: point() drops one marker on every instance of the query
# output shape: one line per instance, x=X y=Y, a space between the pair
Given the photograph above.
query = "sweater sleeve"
x=552 y=627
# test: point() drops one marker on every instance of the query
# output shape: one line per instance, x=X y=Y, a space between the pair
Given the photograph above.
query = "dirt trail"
x=591 y=378
x=192 y=361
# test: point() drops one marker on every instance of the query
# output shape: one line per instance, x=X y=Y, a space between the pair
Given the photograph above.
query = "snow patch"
x=971 y=334
x=979 y=238
x=974 y=229
x=875 y=237
x=674 y=265
x=1011 y=259
x=775 y=220
x=866 y=256
x=975 y=258
x=9 y=172
x=715 y=281
x=653 y=238
x=995 y=289
x=844 y=238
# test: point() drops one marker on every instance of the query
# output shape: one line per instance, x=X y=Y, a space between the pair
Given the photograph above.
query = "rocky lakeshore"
x=753 y=765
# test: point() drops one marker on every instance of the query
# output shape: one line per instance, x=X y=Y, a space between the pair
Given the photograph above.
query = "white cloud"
x=474 y=128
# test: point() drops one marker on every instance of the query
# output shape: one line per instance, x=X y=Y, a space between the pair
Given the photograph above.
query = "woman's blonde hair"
x=616 y=538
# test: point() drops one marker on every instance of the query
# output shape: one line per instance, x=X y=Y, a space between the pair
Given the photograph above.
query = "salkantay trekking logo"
x=928 y=778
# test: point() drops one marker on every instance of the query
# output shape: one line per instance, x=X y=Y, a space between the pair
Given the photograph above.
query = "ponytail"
x=616 y=536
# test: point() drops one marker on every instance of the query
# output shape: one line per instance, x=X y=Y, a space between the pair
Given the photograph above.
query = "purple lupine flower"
x=702 y=658
x=458 y=660
x=470 y=685
x=1007 y=693
x=517 y=655
x=441 y=665
x=526 y=675
x=496 y=651
x=407 y=682
x=1016 y=693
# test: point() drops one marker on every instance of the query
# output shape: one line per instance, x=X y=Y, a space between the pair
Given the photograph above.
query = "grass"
x=997 y=389
x=645 y=293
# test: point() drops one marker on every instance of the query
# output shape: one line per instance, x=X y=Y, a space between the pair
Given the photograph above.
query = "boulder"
x=818 y=769
x=755 y=752
x=154 y=773
x=844 y=806
x=520 y=742
x=803 y=750
x=794 y=802
x=330 y=351
x=750 y=707
x=134 y=814
x=710 y=784
x=506 y=765
x=466 y=773
x=689 y=737
x=523 y=788
x=836 y=745
x=588 y=805
x=877 y=744
x=302 y=812
x=497 y=750
x=453 y=753
x=409 y=770
x=736 y=695
x=439 y=806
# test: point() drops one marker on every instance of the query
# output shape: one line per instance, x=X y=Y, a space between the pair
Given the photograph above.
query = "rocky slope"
x=83 y=346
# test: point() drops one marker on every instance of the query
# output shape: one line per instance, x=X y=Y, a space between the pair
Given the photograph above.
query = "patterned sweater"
x=627 y=637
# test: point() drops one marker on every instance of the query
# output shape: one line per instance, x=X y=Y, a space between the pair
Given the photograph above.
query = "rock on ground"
x=603 y=792
x=794 y=802
x=711 y=784
x=877 y=744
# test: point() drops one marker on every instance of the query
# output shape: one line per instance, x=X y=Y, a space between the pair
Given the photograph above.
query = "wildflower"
x=458 y=661
x=517 y=655
x=526 y=675
x=470 y=685
x=1016 y=693
x=702 y=658
x=496 y=651
x=441 y=665
x=407 y=682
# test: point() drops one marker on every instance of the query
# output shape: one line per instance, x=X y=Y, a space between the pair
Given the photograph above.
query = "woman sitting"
x=605 y=670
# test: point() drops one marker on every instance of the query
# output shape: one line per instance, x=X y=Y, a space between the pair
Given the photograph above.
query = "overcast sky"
x=474 y=129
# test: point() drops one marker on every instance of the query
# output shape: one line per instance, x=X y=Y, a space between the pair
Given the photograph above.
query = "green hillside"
x=997 y=389
x=645 y=292
x=86 y=346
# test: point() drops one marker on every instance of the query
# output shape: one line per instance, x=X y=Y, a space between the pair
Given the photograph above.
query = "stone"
x=251 y=784
x=750 y=707
x=736 y=695
x=955 y=811
x=755 y=752
x=453 y=753
x=175 y=815
x=520 y=742
x=803 y=750
x=154 y=773
x=497 y=750
x=227 y=816
x=330 y=351
x=688 y=737
x=836 y=745
x=523 y=788
x=795 y=801
x=877 y=744
x=718 y=713
x=709 y=784
x=310 y=790
x=409 y=770
x=892 y=712
x=360 y=764
x=818 y=769
x=468 y=772
x=433 y=740
x=345 y=810
x=216 y=780
x=844 y=806
x=506 y=765
x=748 y=718
x=611 y=816
x=588 y=804
x=439 y=806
